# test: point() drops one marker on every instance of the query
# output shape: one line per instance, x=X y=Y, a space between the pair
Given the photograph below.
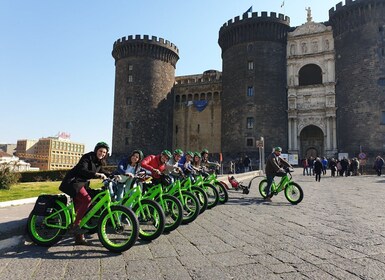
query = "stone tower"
x=144 y=77
x=254 y=99
x=359 y=38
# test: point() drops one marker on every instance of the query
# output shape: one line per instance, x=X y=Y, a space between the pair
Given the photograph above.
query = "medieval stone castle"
x=317 y=89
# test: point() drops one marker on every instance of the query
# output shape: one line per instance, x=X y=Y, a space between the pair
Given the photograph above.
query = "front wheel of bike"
x=201 y=195
x=212 y=195
x=151 y=219
x=118 y=229
x=47 y=230
x=173 y=211
x=223 y=193
x=293 y=193
x=190 y=207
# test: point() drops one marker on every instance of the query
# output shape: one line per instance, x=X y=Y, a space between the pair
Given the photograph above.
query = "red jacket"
x=152 y=162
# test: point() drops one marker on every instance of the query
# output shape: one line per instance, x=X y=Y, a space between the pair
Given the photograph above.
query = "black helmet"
x=138 y=152
x=101 y=145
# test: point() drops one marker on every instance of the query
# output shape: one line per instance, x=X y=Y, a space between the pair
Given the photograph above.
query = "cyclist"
x=156 y=164
x=274 y=168
x=205 y=163
x=186 y=163
x=127 y=168
x=196 y=162
x=77 y=180
x=173 y=168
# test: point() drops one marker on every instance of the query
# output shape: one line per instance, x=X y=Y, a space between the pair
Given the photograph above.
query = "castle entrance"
x=312 y=142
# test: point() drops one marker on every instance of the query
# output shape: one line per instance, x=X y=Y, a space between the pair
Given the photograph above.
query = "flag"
x=283 y=3
x=250 y=10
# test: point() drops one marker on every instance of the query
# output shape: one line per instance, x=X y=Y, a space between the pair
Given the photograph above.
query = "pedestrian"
x=76 y=182
x=333 y=167
x=305 y=166
x=310 y=162
x=246 y=163
x=317 y=169
x=324 y=165
x=379 y=162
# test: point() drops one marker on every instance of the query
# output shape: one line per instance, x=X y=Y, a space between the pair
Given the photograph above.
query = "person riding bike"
x=274 y=168
x=186 y=163
x=156 y=164
x=77 y=180
x=173 y=168
x=206 y=164
x=126 y=170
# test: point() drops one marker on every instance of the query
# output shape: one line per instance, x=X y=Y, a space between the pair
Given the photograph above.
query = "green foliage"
x=7 y=178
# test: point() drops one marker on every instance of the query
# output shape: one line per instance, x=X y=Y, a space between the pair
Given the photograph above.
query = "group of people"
x=92 y=165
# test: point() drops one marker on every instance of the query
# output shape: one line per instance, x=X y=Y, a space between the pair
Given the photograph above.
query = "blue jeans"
x=268 y=186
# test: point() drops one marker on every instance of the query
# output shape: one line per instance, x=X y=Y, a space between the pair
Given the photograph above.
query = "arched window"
x=310 y=74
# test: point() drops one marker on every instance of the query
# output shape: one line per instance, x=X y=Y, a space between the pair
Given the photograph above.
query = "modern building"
x=51 y=153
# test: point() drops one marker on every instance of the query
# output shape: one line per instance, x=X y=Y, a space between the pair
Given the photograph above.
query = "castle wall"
x=254 y=56
x=195 y=130
x=144 y=77
x=359 y=36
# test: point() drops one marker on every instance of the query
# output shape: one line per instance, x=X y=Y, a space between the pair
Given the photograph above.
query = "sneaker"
x=80 y=240
x=268 y=198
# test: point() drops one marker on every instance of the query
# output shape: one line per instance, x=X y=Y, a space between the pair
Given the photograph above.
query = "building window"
x=250 y=91
x=128 y=124
x=249 y=142
x=130 y=79
x=130 y=67
x=128 y=101
x=250 y=65
x=198 y=128
x=250 y=123
x=176 y=129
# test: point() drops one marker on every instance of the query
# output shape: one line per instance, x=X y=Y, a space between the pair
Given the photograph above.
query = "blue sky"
x=56 y=68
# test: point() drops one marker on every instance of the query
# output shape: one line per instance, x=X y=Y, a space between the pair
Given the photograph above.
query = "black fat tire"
x=173 y=211
x=106 y=231
x=212 y=194
x=156 y=220
x=293 y=193
x=202 y=198
x=191 y=211
x=41 y=233
x=262 y=186
x=223 y=193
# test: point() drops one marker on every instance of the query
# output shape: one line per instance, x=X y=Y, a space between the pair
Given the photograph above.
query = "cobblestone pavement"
x=336 y=232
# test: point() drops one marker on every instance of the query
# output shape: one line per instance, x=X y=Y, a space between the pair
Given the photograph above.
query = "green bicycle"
x=117 y=225
x=293 y=191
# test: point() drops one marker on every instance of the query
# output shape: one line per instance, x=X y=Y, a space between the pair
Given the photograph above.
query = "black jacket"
x=81 y=173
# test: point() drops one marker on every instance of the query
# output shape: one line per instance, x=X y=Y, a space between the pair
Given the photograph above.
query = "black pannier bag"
x=45 y=203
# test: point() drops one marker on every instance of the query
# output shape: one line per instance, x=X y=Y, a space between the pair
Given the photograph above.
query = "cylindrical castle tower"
x=144 y=76
x=359 y=39
x=254 y=99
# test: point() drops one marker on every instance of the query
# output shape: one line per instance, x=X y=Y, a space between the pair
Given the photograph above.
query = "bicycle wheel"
x=212 y=195
x=47 y=230
x=293 y=193
x=262 y=188
x=119 y=231
x=173 y=212
x=202 y=198
x=190 y=207
x=151 y=219
x=223 y=193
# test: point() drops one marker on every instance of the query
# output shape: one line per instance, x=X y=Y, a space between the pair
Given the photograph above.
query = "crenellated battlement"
x=257 y=27
x=355 y=13
x=145 y=46
x=147 y=39
x=264 y=16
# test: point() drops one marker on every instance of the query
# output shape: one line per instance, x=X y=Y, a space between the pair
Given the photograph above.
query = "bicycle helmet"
x=277 y=149
x=205 y=151
x=167 y=153
x=178 y=152
x=138 y=152
x=101 y=145
x=197 y=154
x=190 y=153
